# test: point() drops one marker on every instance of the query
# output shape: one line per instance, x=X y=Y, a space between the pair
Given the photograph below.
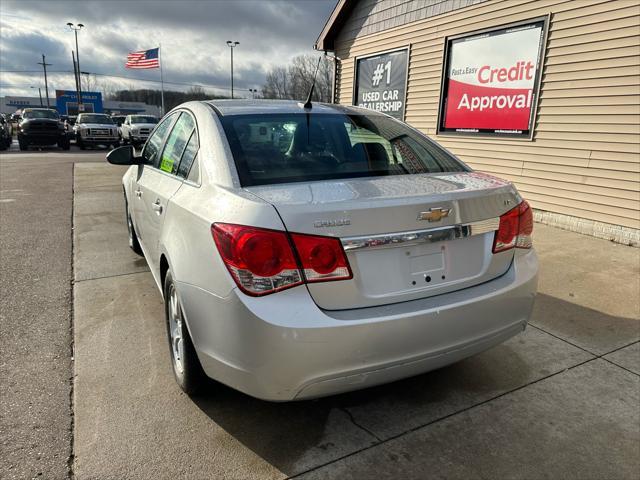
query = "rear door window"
x=176 y=143
x=154 y=144
x=189 y=155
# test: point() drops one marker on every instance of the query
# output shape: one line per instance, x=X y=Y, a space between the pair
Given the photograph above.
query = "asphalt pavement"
x=36 y=195
x=558 y=401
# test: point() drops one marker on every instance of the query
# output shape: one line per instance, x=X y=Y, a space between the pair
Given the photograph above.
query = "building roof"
x=334 y=23
x=353 y=18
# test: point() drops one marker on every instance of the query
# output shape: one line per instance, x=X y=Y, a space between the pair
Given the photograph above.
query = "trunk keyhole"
x=427 y=279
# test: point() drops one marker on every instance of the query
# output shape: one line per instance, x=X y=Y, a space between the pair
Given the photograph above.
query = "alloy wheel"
x=175 y=330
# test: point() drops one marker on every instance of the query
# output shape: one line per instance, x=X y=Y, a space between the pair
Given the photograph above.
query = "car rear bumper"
x=283 y=347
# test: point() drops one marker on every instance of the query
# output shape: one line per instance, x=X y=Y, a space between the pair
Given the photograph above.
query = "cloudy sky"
x=192 y=35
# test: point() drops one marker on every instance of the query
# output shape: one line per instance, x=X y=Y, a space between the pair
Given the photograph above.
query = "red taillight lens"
x=526 y=226
x=515 y=229
x=322 y=258
x=262 y=261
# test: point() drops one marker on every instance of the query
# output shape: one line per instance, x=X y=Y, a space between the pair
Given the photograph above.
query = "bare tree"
x=277 y=84
x=196 y=92
x=107 y=88
x=89 y=82
x=294 y=81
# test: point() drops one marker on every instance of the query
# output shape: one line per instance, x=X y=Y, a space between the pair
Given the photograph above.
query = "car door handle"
x=157 y=207
x=139 y=193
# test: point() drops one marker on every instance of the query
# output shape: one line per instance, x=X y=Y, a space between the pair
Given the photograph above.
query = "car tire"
x=184 y=360
x=81 y=144
x=134 y=244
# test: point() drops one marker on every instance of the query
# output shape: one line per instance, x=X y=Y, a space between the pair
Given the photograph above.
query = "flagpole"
x=161 y=77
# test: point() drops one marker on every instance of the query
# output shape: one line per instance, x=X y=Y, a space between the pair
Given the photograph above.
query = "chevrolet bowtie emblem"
x=434 y=214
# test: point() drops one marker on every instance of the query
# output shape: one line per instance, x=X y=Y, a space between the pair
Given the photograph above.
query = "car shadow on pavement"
x=296 y=436
x=590 y=329
x=283 y=434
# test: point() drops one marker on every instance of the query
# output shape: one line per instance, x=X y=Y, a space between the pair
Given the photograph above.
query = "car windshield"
x=41 y=114
x=90 y=118
x=298 y=147
x=143 y=119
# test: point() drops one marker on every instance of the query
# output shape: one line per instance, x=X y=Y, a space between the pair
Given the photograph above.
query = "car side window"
x=189 y=155
x=154 y=144
x=176 y=143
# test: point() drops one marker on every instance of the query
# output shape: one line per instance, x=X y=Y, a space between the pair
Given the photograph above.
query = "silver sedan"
x=303 y=252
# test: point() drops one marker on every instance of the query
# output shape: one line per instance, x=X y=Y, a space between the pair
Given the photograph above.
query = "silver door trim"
x=429 y=235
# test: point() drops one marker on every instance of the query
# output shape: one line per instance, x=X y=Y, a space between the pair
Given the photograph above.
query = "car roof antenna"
x=307 y=104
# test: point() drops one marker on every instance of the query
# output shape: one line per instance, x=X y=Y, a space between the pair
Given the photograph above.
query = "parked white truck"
x=136 y=128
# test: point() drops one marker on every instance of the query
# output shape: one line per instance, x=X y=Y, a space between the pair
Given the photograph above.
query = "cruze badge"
x=434 y=214
x=332 y=223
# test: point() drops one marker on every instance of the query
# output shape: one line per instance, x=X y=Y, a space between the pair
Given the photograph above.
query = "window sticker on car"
x=176 y=143
x=167 y=164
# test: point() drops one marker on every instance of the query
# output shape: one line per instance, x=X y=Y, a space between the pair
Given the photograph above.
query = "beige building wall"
x=584 y=159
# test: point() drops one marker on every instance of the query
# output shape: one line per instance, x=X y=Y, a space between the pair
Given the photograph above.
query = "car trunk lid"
x=406 y=237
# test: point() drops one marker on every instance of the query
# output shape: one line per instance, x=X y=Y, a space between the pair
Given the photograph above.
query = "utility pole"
x=40 y=94
x=46 y=85
x=232 y=45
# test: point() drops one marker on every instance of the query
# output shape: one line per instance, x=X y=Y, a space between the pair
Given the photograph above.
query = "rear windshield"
x=300 y=147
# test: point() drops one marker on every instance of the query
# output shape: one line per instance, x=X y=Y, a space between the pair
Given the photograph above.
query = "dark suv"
x=5 y=132
x=41 y=126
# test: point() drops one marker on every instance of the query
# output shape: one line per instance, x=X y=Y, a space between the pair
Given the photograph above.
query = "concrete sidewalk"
x=559 y=401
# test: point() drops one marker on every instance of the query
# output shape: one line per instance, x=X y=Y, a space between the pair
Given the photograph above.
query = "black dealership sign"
x=381 y=82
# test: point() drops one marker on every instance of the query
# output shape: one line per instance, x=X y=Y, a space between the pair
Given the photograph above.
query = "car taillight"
x=515 y=229
x=263 y=261
x=322 y=258
x=260 y=261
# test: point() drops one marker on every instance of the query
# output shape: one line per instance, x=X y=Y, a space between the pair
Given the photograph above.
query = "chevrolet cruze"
x=303 y=251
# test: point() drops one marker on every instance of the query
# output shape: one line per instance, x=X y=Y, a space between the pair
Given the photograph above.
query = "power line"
x=130 y=78
x=34 y=71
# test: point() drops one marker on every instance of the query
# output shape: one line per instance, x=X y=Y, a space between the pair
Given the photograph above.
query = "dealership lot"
x=558 y=401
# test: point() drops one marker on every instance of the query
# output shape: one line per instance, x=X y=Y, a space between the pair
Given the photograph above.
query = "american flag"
x=144 y=59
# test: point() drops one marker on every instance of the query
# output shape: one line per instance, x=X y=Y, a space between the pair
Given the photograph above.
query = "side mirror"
x=124 y=155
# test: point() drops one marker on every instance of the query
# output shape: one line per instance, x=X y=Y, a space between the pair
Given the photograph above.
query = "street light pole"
x=76 y=29
x=232 y=45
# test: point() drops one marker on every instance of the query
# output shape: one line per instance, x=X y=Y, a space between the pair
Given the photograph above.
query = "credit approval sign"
x=491 y=81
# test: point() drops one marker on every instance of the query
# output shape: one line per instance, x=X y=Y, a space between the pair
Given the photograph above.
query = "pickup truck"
x=95 y=129
x=41 y=126
x=136 y=128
